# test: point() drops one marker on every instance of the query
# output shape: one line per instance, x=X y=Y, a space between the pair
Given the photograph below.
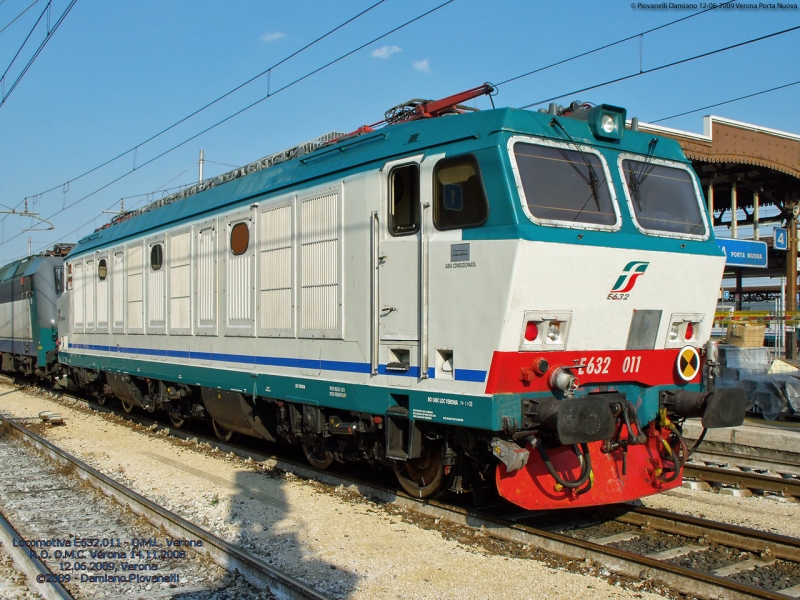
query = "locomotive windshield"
x=564 y=185
x=663 y=198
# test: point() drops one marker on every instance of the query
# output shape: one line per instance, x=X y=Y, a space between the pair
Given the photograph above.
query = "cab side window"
x=459 y=197
x=404 y=214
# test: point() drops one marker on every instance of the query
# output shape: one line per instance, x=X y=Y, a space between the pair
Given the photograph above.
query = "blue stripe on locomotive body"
x=484 y=135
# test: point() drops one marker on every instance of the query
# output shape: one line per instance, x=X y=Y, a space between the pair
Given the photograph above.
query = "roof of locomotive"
x=25 y=267
x=352 y=154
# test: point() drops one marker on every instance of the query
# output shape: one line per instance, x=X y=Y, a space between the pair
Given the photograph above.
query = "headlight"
x=607 y=124
x=673 y=333
x=553 y=331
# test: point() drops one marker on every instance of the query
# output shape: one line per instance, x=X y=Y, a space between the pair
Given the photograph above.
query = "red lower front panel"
x=533 y=488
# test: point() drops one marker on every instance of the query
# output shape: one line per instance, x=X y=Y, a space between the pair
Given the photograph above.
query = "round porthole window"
x=240 y=238
x=156 y=257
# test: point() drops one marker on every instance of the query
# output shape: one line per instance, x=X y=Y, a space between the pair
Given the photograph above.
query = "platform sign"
x=780 y=238
x=744 y=253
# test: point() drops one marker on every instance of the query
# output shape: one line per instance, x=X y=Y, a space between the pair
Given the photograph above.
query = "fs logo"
x=631 y=272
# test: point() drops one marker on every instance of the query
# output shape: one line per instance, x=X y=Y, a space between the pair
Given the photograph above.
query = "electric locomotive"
x=28 y=328
x=499 y=299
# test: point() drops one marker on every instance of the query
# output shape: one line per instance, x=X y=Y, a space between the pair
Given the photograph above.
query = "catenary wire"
x=209 y=104
x=30 y=6
x=666 y=66
x=30 y=33
x=610 y=45
x=339 y=27
x=246 y=108
x=753 y=95
x=682 y=61
x=329 y=33
x=38 y=51
x=163 y=131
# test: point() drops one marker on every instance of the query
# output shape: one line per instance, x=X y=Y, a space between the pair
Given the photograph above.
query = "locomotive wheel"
x=318 y=456
x=223 y=435
x=128 y=408
x=176 y=419
x=424 y=477
x=101 y=399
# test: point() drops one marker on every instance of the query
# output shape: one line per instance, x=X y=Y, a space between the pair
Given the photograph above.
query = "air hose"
x=698 y=442
x=678 y=462
x=586 y=467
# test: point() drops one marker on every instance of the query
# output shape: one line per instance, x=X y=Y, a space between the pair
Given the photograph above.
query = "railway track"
x=696 y=557
x=726 y=466
x=78 y=535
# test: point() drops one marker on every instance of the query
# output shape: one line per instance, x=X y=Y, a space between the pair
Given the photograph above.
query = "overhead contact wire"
x=30 y=6
x=688 y=112
x=248 y=107
x=666 y=66
x=222 y=97
x=38 y=51
x=611 y=45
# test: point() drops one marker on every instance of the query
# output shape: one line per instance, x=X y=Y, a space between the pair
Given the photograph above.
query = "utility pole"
x=793 y=209
x=29 y=245
x=201 y=161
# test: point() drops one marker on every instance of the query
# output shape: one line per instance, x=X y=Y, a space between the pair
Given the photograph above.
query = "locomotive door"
x=399 y=262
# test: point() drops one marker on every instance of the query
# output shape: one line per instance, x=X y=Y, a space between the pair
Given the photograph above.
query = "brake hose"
x=697 y=443
x=586 y=466
x=684 y=454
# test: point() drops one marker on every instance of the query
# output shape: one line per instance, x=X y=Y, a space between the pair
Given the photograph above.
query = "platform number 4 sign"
x=780 y=239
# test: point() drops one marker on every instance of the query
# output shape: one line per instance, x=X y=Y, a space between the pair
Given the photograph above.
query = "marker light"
x=689 y=331
x=531 y=331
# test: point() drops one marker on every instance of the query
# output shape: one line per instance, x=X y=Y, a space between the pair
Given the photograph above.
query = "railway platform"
x=783 y=436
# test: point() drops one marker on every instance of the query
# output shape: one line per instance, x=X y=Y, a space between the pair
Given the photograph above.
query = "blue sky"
x=117 y=72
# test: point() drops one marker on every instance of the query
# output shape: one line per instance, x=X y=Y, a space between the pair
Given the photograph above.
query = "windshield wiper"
x=637 y=176
x=593 y=181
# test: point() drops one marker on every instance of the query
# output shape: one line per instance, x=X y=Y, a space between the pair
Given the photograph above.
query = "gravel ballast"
x=345 y=546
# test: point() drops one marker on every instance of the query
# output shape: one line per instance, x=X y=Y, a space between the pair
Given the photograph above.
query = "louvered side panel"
x=135 y=290
x=156 y=295
x=180 y=283
x=78 y=301
x=102 y=304
x=319 y=266
x=240 y=290
x=206 y=280
x=88 y=291
x=118 y=284
x=276 y=269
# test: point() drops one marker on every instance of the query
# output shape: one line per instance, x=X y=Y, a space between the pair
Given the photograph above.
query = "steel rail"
x=744 y=480
x=634 y=566
x=762 y=459
x=254 y=570
x=30 y=564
